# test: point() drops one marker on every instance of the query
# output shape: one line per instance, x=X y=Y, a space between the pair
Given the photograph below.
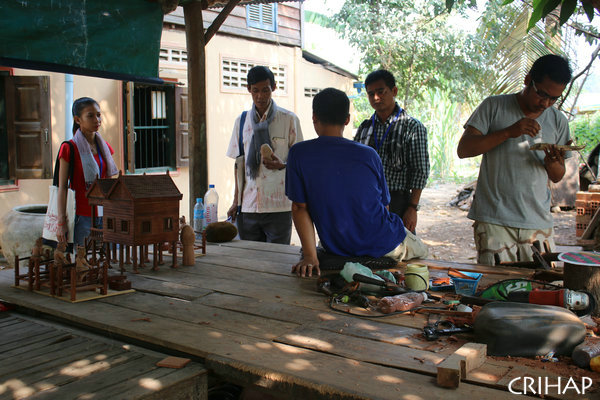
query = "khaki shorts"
x=411 y=247
x=497 y=243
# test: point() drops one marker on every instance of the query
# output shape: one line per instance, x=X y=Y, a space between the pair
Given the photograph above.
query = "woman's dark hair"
x=331 y=106
x=78 y=106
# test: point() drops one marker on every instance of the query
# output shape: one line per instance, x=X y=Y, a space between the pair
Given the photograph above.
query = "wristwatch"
x=415 y=206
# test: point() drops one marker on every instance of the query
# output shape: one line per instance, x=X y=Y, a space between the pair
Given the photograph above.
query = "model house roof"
x=147 y=186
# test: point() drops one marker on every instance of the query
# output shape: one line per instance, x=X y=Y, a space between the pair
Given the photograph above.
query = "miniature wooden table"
x=251 y=322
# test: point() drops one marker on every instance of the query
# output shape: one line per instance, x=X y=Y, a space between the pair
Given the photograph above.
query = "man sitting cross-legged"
x=339 y=186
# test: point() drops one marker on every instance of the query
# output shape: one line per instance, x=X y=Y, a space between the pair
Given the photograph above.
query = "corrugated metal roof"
x=170 y=5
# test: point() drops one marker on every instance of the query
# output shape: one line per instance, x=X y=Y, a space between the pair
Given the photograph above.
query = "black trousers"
x=399 y=202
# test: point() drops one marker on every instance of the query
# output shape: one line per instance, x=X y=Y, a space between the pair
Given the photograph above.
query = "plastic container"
x=198 y=217
x=467 y=287
x=401 y=302
x=416 y=277
x=211 y=204
x=585 y=352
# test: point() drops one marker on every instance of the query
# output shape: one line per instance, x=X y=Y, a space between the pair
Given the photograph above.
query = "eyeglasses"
x=544 y=95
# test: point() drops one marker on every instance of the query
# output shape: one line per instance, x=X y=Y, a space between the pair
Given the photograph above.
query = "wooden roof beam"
x=216 y=24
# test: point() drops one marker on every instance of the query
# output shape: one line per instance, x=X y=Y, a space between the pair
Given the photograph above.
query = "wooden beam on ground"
x=458 y=365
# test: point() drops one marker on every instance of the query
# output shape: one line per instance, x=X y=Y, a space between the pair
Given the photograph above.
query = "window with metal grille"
x=234 y=73
x=262 y=16
x=173 y=55
x=110 y=224
x=154 y=126
x=311 y=92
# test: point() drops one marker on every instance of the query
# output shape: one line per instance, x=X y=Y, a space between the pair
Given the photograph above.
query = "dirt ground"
x=449 y=233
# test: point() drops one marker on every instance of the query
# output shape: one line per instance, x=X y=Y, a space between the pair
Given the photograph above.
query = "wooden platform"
x=253 y=323
x=44 y=360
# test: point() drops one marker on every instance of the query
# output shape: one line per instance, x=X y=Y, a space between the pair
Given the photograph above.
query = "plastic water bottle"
x=211 y=200
x=198 y=217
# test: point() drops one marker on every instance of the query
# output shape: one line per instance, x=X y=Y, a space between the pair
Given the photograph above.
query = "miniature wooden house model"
x=139 y=209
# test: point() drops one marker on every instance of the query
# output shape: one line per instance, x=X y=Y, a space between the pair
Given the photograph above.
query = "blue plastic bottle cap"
x=198 y=199
x=211 y=186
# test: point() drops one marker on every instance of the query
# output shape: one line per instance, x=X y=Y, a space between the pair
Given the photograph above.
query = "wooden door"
x=28 y=127
x=182 y=126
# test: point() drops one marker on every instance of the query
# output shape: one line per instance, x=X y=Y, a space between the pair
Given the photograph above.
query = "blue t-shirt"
x=343 y=185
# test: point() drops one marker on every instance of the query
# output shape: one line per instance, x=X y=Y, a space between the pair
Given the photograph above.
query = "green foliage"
x=585 y=130
x=442 y=118
x=362 y=109
x=541 y=9
x=417 y=42
x=510 y=46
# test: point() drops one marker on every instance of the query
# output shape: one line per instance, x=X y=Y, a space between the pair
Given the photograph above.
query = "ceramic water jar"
x=19 y=229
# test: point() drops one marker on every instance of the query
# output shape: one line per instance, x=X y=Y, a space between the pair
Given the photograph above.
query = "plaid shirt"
x=403 y=152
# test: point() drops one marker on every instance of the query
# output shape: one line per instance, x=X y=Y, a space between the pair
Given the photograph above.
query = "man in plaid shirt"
x=401 y=142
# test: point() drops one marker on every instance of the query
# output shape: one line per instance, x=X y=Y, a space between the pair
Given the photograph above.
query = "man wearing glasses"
x=511 y=208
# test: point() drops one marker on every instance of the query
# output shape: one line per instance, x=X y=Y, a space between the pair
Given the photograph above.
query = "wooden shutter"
x=262 y=16
x=28 y=127
x=181 y=126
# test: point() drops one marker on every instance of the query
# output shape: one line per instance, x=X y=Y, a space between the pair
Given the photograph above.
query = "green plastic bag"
x=500 y=290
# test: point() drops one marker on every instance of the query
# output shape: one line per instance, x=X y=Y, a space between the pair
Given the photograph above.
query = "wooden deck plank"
x=101 y=362
x=301 y=366
x=61 y=372
x=260 y=246
x=90 y=384
x=387 y=333
x=197 y=313
x=166 y=288
x=299 y=310
x=41 y=356
x=228 y=307
x=188 y=382
x=32 y=343
x=303 y=292
x=14 y=334
x=306 y=374
x=355 y=348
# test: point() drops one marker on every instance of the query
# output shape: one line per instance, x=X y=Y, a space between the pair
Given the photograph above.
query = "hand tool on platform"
x=576 y=301
x=443 y=328
x=390 y=288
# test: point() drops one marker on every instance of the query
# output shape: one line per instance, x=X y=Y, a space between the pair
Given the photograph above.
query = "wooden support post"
x=155 y=251
x=134 y=255
x=460 y=363
x=128 y=255
x=579 y=277
x=73 y=276
x=121 y=267
x=174 y=244
x=104 y=289
x=142 y=257
x=196 y=72
x=160 y=255
x=17 y=270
